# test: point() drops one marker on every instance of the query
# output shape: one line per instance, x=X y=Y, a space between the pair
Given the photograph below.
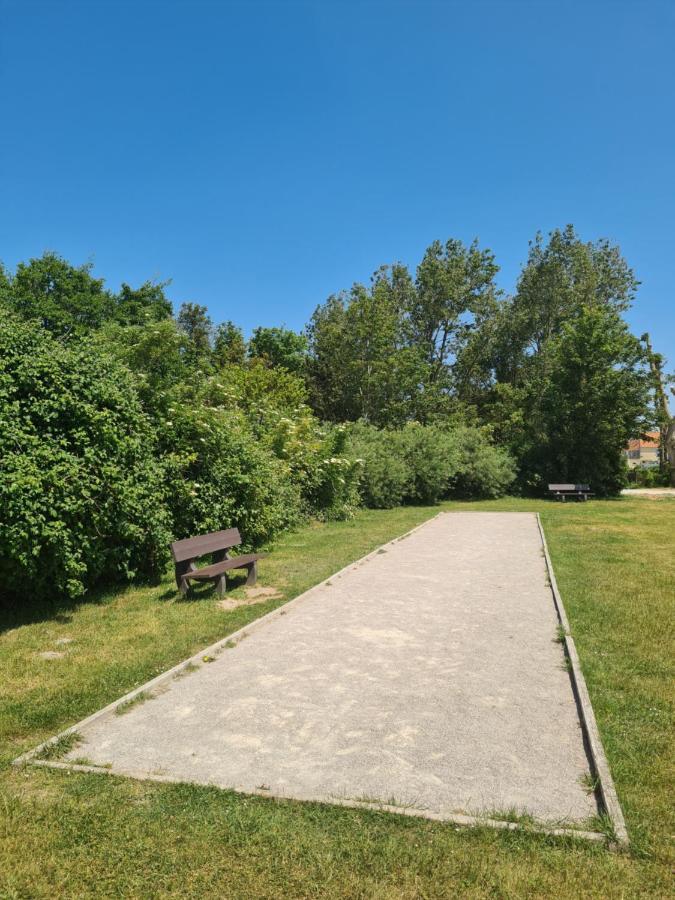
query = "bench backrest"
x=194 y=547
x=569 y=487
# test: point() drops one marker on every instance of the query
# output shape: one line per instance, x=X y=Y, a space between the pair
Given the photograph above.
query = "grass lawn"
x=77 y=835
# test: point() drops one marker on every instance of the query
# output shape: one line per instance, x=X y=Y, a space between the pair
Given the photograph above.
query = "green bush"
x=483 y=469
x=269 y=405
x=432 y=457
x=644 y=476
x=422 y=464
x=332 y=484
x=81 y=492
x=385 y=474
x=222 y=476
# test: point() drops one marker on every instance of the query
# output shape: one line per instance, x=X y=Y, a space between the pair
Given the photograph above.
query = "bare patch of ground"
x=252 y=595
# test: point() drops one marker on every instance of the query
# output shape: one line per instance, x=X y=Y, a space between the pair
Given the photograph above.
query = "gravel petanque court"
x=427 y=677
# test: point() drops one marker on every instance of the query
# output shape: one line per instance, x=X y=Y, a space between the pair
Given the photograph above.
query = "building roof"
x=650 y=439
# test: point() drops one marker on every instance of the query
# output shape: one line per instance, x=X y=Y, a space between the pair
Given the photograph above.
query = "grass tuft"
x=127 y=705
x=60 y=747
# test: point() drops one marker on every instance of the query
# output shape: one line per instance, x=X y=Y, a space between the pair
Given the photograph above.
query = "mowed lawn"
x=77 y=835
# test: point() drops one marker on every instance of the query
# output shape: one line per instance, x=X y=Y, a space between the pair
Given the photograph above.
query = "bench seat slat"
x=218 y=568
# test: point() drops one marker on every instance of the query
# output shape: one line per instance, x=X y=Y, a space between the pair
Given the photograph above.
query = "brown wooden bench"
x=575 y=491
x=218 y=544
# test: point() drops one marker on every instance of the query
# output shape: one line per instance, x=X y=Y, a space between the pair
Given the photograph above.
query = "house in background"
x=643 y=452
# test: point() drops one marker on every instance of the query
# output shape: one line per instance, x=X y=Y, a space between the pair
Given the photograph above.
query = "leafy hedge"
x=422 y=464
x=81 y=490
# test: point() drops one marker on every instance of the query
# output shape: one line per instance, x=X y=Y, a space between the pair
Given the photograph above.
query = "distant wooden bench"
x=574 y=491
x=186 y=553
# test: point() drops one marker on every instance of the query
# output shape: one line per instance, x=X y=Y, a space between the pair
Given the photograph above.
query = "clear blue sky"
x=264 y=155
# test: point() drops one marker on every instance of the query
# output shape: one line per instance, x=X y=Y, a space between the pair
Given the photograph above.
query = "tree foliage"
x=122 y=425
x=279 y=347
x=81 y=490
x=392 y=352
x=559 y=429
x=64 y=299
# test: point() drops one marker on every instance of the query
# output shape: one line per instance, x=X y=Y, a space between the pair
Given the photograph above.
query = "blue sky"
x=265 y=155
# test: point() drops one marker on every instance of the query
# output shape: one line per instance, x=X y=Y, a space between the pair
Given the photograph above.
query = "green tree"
x=562 y=276
x=664 y=419
x=360 y=366
x=143 y=305
x=65 y=299
x=594 y=398
x=563 y=281
x=229 y=346
x=195 y=323
x=455 y=293
x=396 y=351
x=279 y=347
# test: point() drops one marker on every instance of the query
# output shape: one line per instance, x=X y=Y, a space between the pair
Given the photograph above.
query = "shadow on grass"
x=16 y=612
x=203 y=590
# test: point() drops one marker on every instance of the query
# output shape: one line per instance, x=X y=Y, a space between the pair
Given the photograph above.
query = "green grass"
x=60 y=747
x=64 y=834
x=127 y=705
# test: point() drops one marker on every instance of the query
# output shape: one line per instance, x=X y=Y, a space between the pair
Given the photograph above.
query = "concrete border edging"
x=458 y=819
x=607 y=790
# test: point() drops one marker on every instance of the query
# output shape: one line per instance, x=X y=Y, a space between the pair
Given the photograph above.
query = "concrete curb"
x=458 y=819
x=601 y=770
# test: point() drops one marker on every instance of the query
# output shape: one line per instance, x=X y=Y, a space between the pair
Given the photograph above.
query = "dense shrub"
x=305 y=469
x=483 y=470
x=422 y=464
x=432 y=457
x=123 y=428
x=81 y=492
x=221 y=476
x=332 y=481
x=385 y=473
x=642 y=476
x=414 y=464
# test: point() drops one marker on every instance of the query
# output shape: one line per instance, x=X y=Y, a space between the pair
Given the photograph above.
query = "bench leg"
x=221 y=585
x=184 y=568
x=252 y=573
x=184 y=586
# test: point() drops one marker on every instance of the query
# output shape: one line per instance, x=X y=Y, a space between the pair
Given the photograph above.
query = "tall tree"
x=593 y=398
x=362 y=365
x=194 y=321
x=562 y=276
x=565 y=418
x=279 y=347
x=665 y=420
x=455 y=293
x=229 y=346
x=395 y=351
x=143 y=305
x=65 y=299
